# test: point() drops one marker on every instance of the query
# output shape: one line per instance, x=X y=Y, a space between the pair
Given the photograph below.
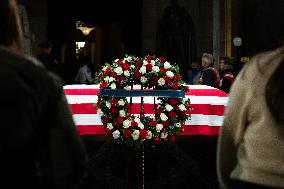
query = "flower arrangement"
x=149 y=72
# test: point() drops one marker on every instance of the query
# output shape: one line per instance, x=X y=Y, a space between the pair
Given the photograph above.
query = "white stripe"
x=196 y=119
x=81 y=86
x=213 y=100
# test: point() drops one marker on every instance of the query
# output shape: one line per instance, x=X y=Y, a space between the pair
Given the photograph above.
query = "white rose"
x=153 y=62
x=104 y=68
x=169 y=107
x=137 y=120
x=145 y=62
x=182 y=107
x=150 y=135
x=118 y=71
x=113 y=86
x=142 y=70
x=132 y=66
x=135 y=135
x=122 y=113
x=108 y=105
x=106 y=78
x=100 y=112
x=111 y=79
x=115 y=134
x=155 y=69
x=127 y=88
x=163 y=117
x=161 y=82
x=170 y=74
x=126 y=124
x=141 y=125
x=167 y=65
x=143 y=79
x=177 y=124
x=121 y=102
x=152 y=116
x=116 y=60
x=159 y=127
x=126 y=73
x=109 y=126
x=128 y=59
x=164 y=135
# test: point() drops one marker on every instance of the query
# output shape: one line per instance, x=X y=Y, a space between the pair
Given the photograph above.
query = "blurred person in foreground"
x=39 y=144
x=250 y=151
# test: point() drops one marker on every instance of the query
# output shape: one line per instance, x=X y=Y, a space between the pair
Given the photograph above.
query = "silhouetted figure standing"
x=176 y=37
x=46 y=58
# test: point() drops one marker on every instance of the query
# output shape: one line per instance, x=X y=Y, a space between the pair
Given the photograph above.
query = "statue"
x=175 y=37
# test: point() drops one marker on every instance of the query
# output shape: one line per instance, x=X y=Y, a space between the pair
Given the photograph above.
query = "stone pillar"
x=216 y=32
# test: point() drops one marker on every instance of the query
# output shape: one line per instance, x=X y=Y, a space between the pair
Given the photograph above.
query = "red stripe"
x=81 y=91
x=194 y=92
x=207 y=92
x=205 y=109
x=187 y=130
x=201 y=130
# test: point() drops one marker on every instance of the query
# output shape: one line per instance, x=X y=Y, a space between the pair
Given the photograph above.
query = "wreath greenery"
x=149 y=72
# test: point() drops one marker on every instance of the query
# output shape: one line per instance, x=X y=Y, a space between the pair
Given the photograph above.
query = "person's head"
x=10 y=27
x=195 y=65
x=223 y=61
x=45 y=47
x=206 y=60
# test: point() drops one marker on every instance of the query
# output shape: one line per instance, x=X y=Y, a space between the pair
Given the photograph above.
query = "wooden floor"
x=189 y=163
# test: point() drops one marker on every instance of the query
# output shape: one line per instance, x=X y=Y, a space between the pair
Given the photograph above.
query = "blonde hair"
x=208 y=56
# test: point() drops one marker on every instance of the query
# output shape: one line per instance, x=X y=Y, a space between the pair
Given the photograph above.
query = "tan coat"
x=251 y=144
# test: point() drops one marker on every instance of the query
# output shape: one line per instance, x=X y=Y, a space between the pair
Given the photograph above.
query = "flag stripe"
x=205 y=109
x=207 y=103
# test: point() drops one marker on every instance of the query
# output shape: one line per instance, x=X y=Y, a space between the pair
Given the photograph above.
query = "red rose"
x=152 y=123
x=156 y=140
x=125 y=66
x=149 y=67
x=176 y=77
x=173 y=101
x=175 y=86
x=107 y=71
x=162 y=59
x=119 y=120
x=166 y=123
x=113 y=74
x=149 y=58
x=143 y=134
x=105 y=119
x=127 y=134
x=172 y=139
x=186 y=89
x=100 y=76
x=137 y=63
x=120 y=79
x=103 y=85
x=137 y=74
x=172 y=114
x=120 y=62
x=113 y=101
x=155 y=80
x=134 y=124
x=163 y=70
x=158 y=111
x=167 y=79
x=113 y=110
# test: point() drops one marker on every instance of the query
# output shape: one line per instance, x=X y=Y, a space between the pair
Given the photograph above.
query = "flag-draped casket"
x=207 y=103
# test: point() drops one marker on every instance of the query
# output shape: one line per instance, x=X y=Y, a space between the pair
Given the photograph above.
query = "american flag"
x=207 y=103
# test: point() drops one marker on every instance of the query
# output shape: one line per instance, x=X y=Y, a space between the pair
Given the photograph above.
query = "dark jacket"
x=40 y=147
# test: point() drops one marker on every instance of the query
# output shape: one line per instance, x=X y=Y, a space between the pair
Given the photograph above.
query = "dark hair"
x=10 y=27
x=274 y=93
